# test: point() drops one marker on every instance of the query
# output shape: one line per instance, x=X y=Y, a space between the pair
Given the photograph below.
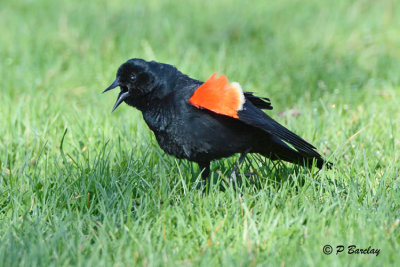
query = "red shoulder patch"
x=218 y=95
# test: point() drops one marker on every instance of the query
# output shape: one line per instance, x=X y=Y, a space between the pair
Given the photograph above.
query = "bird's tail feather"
x=277 y=149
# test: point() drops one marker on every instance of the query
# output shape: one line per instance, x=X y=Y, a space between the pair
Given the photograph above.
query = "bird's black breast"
x=168 y=120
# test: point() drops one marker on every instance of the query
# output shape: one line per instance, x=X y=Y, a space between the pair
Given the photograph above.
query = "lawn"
x=82 y=186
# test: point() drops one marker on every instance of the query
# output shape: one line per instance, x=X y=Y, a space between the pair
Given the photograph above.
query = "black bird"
x=204 y=121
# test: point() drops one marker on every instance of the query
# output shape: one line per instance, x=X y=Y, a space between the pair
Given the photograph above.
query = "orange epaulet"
x=217 y=94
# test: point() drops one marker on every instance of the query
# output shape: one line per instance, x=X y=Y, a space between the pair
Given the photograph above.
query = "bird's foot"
x=204 y=186
x=250 y=174
x=233 y=178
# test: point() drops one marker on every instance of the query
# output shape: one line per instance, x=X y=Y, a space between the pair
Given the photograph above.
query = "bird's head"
x=136 y=79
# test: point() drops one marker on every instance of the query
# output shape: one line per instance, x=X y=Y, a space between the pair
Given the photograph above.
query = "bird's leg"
x=233 y=175
x=205 y=167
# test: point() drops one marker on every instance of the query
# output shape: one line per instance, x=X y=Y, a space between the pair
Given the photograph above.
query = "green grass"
x=107 y=195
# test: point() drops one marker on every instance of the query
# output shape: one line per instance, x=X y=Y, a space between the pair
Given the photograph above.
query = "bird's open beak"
x=122 y=95
x=113 y=85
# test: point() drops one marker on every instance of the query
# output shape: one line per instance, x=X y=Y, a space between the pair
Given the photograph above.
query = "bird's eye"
x=132 y=77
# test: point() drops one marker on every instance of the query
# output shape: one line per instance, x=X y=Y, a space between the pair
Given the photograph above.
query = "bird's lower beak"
x=113 y=85
x=121 y=97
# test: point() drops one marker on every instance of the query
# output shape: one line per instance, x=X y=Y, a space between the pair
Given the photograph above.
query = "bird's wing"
x=218 y=95
x=260 y=102
x=253 y=116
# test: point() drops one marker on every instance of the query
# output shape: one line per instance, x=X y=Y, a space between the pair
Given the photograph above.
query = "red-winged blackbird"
x=204 y=121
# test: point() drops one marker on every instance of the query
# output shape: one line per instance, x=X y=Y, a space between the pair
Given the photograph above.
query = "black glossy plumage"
x=161 y=93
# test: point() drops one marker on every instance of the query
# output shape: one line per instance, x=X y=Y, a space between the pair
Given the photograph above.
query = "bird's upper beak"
x=114 y=84
x=122 y=95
